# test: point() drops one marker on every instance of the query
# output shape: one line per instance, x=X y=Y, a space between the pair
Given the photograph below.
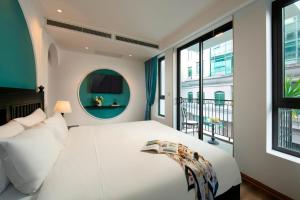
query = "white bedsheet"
x=11 y=193
x=105 y=163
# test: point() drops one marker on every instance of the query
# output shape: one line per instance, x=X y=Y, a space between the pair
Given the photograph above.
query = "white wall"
x=208 y=19
x=41 y=41
x=74 y=66
x=252 y=101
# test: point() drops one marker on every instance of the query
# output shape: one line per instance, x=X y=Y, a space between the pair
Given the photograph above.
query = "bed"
x=106 y=162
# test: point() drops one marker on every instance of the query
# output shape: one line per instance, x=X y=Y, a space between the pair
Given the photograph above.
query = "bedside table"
x=72 y=126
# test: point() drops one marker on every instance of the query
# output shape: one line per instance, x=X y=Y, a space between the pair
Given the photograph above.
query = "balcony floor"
x=225 y=146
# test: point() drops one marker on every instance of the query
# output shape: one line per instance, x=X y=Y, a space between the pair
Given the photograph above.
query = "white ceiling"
x=147 y=20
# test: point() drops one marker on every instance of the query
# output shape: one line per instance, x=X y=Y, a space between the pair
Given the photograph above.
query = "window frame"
x=221 y=29
x=160 y=96
x=279 y=101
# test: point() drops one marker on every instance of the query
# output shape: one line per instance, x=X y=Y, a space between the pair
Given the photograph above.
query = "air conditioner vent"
x=138 y=42
x=99 y=33
x=78 y=28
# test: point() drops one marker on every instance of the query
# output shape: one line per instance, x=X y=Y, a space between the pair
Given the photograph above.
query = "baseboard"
x=267 y=189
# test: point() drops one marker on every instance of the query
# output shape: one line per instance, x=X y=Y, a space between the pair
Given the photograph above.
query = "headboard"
x=16 y=102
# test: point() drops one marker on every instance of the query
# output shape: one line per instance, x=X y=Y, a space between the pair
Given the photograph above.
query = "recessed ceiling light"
x=130 y=55
x=59 y=10
x=87 y=48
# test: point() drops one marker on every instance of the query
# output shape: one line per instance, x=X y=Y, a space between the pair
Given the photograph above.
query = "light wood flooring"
x=250 y=192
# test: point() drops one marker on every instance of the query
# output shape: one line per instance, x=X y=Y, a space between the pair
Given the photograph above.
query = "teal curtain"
x=151 y=77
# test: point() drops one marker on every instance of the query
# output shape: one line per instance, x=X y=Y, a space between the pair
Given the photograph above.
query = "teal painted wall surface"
x=88 y=99
x=17 y=63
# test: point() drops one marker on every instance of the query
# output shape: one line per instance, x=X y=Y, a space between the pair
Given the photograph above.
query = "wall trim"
x=265 y=188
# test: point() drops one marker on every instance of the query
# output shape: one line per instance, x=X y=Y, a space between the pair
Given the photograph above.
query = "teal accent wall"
x=17 y=63
x=88 y=99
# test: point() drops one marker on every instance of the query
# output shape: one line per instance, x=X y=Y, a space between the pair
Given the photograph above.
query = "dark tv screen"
x=106 y=84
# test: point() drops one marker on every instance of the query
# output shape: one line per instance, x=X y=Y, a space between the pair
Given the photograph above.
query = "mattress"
x=105 y=162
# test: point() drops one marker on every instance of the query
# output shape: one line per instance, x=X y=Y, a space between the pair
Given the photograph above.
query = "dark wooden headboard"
x=16 y=102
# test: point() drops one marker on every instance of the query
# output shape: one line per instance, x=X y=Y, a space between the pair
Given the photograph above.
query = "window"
x=286 y=77
x=190 y=72
x=197 y=68
x=290 y=36
x=219 y=98
x=190 y=97
x=222 y=64
x=161 y=86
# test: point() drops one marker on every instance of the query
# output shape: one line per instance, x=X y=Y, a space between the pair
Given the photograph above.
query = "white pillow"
x=33 y=119
x=59 y=127
x=29 y=157
x=10 y=129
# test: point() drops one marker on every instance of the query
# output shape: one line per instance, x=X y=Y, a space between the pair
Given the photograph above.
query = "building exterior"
x=217 y=72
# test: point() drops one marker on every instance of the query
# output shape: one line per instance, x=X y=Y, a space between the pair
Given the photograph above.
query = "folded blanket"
x=199 y=173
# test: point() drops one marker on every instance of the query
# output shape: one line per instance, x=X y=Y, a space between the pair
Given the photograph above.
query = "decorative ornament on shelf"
x=99 y=100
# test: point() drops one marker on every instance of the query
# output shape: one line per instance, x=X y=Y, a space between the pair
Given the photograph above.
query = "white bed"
x=12 y=194
x=105 y=162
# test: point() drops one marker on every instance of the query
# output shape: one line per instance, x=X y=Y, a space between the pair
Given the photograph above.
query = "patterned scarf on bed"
x=199 y=173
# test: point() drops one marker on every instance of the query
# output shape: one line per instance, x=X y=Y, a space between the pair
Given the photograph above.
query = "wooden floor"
x=250 y=192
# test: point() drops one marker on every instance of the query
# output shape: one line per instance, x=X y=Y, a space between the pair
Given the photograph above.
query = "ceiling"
x=146 y=20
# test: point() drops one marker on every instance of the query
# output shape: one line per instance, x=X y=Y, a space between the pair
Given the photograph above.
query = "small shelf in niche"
x=105 y=107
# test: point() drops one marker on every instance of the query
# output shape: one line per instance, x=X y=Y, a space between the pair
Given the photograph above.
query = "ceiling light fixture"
x=59 y=10
x=219 y=34
x=130 y=55
x=87 y=48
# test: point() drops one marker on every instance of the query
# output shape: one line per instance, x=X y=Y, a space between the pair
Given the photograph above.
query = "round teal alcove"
x=111 y=90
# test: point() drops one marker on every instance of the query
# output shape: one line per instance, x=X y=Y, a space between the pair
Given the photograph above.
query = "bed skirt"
x=232 y=194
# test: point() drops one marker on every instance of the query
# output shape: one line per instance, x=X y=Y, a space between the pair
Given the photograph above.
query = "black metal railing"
x=288 y=127
x=220 y=110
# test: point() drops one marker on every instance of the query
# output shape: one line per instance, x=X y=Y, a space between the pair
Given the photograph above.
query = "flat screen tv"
x=101 y=83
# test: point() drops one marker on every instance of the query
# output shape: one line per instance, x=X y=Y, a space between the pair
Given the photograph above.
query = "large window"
x=286 y=76
x=190 y=97
x=190 y=72
x=161 y=86
x=219 y=98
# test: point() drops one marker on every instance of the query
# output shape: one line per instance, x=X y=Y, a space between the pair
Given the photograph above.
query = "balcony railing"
x=220 y=110
x=289 y=130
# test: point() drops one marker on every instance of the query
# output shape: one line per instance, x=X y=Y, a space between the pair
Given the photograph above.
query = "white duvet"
x=105 y=163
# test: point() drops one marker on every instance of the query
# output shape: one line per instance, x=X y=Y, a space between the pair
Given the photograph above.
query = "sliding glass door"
x=188 y=108
x=205 y=86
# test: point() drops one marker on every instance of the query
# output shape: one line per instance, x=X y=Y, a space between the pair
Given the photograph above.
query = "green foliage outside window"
x=292 y=90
